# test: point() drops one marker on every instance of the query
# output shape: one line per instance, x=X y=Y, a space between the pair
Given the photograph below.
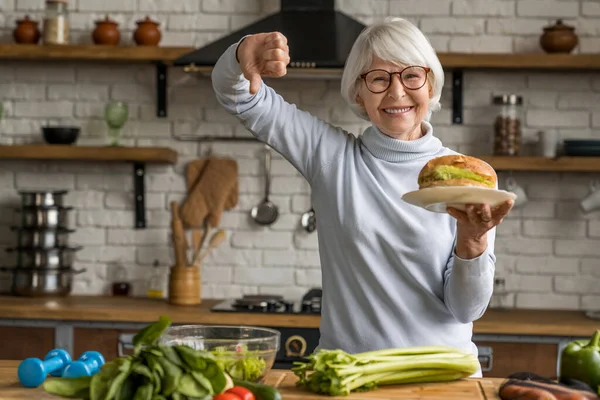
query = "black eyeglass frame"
x=426 y=69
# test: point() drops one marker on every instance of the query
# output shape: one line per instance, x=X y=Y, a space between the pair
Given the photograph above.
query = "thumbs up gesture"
x=263 y=54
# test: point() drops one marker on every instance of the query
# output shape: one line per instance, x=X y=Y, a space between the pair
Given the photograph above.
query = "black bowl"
x=60 y=134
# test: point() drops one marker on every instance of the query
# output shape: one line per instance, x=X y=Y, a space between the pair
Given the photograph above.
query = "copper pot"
x=559 y=38
x=106 y=32
x=147 y=33
x=27 y=31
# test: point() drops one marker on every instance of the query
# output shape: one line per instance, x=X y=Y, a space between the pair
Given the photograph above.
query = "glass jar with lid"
x=508 y=125
x=56 y=22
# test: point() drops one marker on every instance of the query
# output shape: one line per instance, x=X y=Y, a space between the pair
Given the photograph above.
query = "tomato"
x=241 y=392
x=227 y=396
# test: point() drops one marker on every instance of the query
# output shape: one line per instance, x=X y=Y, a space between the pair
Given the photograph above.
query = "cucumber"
x=260 y=391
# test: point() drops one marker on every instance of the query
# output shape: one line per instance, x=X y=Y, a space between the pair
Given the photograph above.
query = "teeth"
x=396 y=110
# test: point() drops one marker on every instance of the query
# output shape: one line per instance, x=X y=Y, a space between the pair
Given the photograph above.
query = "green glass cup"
x=116 y=114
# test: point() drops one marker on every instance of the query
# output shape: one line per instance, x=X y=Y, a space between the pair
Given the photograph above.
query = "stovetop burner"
x=266 y=303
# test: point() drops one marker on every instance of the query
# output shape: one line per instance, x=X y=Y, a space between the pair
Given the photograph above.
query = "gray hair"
x=395 y=40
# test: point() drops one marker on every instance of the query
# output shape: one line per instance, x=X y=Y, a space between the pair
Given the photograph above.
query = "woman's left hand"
x=473 y=224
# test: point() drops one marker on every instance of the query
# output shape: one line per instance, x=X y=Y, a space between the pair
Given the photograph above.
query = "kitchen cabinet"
x=21 y=342
x=109 y=342
x=500 y=359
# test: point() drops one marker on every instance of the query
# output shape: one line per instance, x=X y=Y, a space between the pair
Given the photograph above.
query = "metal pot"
x=42 y=198
x=50 y=217
x=32 y=258
x=57 y=282
x=42 y=238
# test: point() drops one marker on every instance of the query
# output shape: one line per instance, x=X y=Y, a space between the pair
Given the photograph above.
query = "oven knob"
x=295 y=346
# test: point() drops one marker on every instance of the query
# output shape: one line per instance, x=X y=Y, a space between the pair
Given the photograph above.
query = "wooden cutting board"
x=285 y=381
x=466 y=389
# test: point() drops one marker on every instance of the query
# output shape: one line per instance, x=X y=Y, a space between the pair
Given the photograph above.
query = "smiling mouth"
x=398 y=110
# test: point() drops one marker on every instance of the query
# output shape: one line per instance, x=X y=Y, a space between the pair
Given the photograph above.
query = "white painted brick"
x=80 y=91
x=117 y=236
x=27 y=180
x=105 y=218
x=524 y=246
x=590 y=8
x=308 y=277
x=480 y=44
x=264 y=276
x=104 y=182
x=237 y=220
x=590 y=302
x=541 y=98
x=547 y=301
x=578 y=101
x=458 y=26
x=171 y=6
x=146 y=255
x=538 y=209
x=439 y=42
x=306 y=241
x=299 y=258
x=197 y=22
x=416 y=7
x=594 y=229
x=364 y=7
x=300 y=203
x=124 y=201
x=43 y=109
x=87 y=199
x=596 y=120
x=30 y=5
x=589 y=45
x=527 y=44
x=590 y=266
x=7 y=73
x=264 y=240
x=546 y=265
x=23 y=91
x=7 y=5
x=511 y=26
x=555 y=228
x=45 y=73
x=108 y=5
x=500 y=80
x=106 y=74
x=132 y=92
x=565 y=191
x=221 y=6
x=547 y=8
x=88 y=236
x=219 y=114
x=217 y=275
x=572 y=210
x=509 y=228
x=559 y=81
x=529 y=283
x=106 y=254
x=240 y=21
x=202 y=129
x=552 y=119
x=579 y=247
x=225 y=255
x=289 y=185
x=577 y=284
x=165 y=183
x=489 y=8
x=287 y=222
x=588 y=27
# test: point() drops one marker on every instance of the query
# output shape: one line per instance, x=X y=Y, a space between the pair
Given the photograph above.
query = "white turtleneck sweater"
x=390 y=277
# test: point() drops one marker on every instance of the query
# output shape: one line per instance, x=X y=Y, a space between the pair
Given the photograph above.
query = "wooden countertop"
x=141 y=310
x=467 y=389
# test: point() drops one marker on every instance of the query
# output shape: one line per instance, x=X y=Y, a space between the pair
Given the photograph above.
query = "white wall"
x=548 y=251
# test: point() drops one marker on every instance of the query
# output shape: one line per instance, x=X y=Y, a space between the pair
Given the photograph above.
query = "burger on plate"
x=457 y=170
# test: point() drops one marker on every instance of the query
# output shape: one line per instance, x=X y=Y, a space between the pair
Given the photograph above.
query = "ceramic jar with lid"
x=559 y=38
x=106 y=32
x=27 y=31
x=147 y=33
x=56 y=22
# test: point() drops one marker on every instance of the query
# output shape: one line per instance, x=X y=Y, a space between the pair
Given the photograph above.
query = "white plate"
x=436 y=199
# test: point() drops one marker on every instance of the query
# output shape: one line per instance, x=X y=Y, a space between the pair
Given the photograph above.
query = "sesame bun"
x=457 y=170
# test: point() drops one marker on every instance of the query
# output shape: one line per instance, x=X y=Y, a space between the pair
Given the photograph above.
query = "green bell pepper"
x=580 y=360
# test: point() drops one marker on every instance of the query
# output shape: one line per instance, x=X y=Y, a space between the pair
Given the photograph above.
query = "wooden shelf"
x=131 y=54
x=139 y=156
x=560 y=164
x=160 y=155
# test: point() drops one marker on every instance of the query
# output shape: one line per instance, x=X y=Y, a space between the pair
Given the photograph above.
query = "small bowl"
x=230 y=345
x=60 y=134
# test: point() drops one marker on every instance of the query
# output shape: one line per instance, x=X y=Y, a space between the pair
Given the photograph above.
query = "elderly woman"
x=393 y=275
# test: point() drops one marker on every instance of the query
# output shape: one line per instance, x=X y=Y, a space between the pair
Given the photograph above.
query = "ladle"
x=309 y=220
x=265 y=213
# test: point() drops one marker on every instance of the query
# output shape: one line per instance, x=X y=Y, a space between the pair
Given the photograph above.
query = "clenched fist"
x=263 y=54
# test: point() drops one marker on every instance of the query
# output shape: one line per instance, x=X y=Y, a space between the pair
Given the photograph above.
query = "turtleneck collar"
x=395 y=150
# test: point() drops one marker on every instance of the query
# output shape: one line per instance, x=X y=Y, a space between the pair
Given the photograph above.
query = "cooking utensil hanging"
x=266 y=212
x=309 y=220
x=215 y=241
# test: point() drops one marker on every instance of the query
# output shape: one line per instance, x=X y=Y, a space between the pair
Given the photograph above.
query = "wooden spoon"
x=215 y=241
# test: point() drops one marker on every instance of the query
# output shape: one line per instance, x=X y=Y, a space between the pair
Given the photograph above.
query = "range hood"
x=319 y=37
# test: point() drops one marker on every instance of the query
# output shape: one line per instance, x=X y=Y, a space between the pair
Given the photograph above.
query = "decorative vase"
x=559 y=38
x=106 y=32
x=147 y=33
x=27 y=31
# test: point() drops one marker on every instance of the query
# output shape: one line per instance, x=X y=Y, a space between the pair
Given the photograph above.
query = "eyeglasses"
x=379 y=80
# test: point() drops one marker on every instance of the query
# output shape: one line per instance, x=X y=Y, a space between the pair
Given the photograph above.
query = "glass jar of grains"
x=507 y=127
x=56 y=22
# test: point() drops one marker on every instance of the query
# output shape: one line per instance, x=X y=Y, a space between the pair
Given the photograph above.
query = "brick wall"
x=548 y=251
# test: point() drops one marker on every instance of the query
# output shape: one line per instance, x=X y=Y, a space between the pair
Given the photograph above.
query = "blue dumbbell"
x=32 y=372
x=87 y=365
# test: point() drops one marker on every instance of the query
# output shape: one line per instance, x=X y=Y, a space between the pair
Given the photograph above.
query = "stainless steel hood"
x=319 y=37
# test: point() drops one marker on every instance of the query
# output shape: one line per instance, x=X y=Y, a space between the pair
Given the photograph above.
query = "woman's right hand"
x=263 y=54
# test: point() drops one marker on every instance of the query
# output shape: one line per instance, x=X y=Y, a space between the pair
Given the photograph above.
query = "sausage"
x=515 y=389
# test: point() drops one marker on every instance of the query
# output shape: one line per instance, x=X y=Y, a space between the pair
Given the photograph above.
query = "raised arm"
x=307 y=142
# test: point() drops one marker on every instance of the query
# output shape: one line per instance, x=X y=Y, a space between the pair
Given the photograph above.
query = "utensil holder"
x=185 y=285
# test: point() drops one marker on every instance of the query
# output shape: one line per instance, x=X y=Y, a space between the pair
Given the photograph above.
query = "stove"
x=272 y=304
x=297 y=342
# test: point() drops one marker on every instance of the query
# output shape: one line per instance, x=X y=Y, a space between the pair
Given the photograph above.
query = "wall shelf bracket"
x=161 y=89
x=457 y=96
x=139 y=195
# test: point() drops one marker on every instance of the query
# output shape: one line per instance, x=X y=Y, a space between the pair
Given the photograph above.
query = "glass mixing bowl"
x=245 y=352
